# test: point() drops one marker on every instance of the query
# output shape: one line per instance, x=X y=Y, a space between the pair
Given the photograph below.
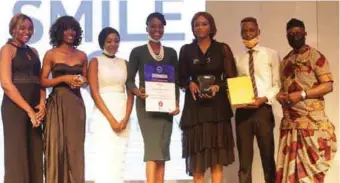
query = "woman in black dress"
x=23 y=105
x=205 y=122
x=64 y=128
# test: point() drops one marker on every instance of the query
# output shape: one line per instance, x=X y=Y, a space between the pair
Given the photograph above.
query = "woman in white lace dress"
x=107 y=76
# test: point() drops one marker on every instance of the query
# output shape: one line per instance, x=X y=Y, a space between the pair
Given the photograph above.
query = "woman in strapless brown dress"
x=64 y=129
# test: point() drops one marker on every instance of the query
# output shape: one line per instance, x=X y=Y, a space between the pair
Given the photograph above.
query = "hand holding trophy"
x=207 y=89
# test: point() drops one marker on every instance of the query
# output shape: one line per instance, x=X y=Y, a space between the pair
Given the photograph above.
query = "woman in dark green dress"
x=156 y=127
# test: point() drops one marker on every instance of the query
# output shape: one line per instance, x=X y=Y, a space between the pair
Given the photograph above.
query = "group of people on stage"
x=35 y=125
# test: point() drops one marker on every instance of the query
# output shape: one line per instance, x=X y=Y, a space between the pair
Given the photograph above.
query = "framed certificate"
x=241 y=91
x=160 y=88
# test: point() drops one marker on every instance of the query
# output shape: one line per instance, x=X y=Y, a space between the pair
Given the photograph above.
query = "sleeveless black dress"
x=22 y=143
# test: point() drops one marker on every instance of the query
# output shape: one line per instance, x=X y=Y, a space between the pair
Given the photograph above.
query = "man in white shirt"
x=257 y=119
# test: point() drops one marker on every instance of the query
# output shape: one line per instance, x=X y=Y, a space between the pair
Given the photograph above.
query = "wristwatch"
x=303 y=94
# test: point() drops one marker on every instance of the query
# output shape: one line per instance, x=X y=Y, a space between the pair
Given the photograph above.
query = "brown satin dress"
x=64 y=131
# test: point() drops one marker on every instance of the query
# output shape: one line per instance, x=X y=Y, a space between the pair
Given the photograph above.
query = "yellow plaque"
x=241 y=91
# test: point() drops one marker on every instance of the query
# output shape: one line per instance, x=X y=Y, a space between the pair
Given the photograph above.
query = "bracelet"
x=303 y=94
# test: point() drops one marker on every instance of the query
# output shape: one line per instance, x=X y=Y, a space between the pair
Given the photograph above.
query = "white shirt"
x=267 y=70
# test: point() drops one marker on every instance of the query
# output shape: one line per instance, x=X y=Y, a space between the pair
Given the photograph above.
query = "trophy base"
x=206 y=91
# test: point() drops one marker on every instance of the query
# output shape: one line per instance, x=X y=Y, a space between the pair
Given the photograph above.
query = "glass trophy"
x=205 y=81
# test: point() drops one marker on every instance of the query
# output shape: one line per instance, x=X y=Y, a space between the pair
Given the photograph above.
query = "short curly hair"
x=60 y=25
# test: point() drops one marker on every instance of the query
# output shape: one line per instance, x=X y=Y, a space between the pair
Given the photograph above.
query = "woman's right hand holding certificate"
x=140 y=93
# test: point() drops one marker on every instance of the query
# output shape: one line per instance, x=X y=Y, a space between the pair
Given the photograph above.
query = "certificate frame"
x=160 y=88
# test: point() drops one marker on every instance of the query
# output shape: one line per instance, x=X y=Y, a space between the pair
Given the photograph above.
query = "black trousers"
x=257 y=123
x=23 y=148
